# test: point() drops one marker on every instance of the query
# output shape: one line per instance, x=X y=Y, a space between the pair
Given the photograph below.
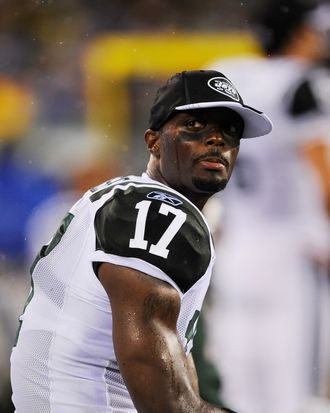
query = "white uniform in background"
x=64 y=360
x=262 y=325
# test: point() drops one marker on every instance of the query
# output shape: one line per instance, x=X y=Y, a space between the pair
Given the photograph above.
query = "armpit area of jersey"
x=303 y=100
x=157 y=227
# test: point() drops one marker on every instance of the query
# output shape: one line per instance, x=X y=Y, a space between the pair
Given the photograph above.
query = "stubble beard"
x=210 y=186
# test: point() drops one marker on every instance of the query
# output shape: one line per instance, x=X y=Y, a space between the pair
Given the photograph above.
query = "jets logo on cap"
x=222 y=85
x=161 y=196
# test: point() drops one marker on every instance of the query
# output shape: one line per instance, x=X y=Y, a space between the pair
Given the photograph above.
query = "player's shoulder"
x=311 y=93
x=132 y=189
x=142 y=219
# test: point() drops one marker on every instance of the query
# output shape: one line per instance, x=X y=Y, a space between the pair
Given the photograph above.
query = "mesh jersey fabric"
x=64 y=360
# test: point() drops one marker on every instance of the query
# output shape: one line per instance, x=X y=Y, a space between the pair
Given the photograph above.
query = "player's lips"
x=212 y=162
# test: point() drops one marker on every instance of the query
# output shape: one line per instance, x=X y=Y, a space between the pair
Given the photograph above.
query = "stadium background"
x=76 y=79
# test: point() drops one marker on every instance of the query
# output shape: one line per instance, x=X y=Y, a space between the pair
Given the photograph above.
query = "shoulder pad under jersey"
x=157 y=226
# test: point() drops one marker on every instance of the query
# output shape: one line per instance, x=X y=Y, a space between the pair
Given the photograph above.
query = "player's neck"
x=198 y=199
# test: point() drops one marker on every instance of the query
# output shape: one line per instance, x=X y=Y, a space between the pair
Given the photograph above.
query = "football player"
x=116 y=294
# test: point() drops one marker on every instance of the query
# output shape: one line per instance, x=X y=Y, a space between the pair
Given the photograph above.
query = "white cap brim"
x=255 y=123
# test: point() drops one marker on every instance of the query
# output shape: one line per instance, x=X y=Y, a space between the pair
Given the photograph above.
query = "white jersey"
x=272 y=187
x=64 y=360
x=273 y=222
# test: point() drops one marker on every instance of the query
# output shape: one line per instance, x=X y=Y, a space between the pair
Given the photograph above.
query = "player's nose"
x=215 y=138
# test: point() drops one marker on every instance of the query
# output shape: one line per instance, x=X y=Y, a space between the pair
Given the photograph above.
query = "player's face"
x=199 y=149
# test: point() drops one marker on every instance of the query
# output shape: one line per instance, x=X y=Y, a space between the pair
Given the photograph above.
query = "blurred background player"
x=274 y=248
x=311 y=97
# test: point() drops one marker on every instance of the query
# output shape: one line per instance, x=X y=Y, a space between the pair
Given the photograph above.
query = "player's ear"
x=152 y=139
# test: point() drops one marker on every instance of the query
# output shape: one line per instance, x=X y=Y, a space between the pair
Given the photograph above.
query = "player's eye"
x=232 y=133
x=231 y=130
x=194 y=124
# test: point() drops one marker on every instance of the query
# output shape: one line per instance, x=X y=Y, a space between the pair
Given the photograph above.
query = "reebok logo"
x=161 y=196
x=222 y=85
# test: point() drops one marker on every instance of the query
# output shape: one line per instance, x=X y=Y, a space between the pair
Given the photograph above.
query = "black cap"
x=198 y=89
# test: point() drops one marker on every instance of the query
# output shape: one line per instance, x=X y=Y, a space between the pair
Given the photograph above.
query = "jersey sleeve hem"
x=136 y=264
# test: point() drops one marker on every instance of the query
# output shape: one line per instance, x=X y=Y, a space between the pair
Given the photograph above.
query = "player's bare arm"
x=193 y=372
x=151 y=358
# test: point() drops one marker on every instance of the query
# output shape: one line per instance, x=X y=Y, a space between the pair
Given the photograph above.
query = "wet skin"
x=195 y=153
x=230 y=127
x=198 y=150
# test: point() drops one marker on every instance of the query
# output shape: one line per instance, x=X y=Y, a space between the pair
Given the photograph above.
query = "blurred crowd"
x=270 y=296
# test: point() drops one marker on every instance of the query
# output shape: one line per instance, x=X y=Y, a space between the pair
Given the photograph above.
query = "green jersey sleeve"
x=158 y=227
